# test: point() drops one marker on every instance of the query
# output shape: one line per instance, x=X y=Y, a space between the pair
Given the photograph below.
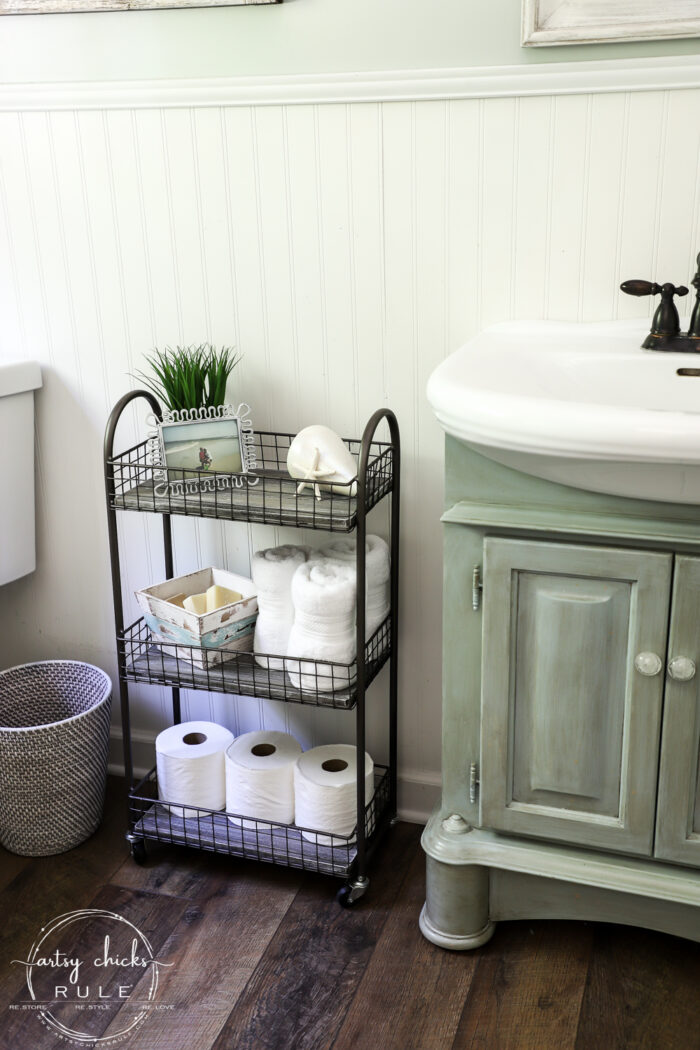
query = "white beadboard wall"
x=345 y=249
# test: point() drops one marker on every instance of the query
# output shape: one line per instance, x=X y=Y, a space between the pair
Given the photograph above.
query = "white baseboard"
x=142 y=753
x=407 y=85
x=419 y=792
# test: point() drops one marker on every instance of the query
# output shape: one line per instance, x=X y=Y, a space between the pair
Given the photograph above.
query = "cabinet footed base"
x=455 y=942
x=456 y=910
x=477 y=877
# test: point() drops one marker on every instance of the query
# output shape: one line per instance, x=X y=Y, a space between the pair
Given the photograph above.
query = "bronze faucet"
x=665 y=331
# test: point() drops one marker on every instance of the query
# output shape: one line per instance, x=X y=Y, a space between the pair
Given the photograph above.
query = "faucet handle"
x=640 y=287
x=652 y=288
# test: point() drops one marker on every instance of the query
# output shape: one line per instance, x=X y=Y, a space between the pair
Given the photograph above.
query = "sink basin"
x=579 y=404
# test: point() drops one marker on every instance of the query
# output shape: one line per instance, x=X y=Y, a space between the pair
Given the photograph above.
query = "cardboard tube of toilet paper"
x=325 y=793
x=190 y=764
x=260 y=778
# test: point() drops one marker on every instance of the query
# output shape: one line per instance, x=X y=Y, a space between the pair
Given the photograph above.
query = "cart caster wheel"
x=348 y=895
x=138 y=851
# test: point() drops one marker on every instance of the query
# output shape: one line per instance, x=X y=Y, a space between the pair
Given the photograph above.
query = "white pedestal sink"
x=580 y=404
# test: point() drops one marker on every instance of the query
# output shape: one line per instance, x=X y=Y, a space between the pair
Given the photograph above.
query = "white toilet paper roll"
x=325 y=792
x=260 y=777
x=190 y=763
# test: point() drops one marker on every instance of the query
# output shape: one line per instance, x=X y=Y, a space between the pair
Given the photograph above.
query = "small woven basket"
x=54 y=743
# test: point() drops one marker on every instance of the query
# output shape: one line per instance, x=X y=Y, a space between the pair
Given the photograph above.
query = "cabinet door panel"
x=678 y=814
x=569 y=729
x=571 y=649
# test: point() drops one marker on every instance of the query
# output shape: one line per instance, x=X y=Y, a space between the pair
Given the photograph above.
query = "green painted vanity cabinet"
x=571 y=708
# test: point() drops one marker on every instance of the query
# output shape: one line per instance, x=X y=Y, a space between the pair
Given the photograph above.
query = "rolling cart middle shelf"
x=159 y=663
x=133 y=483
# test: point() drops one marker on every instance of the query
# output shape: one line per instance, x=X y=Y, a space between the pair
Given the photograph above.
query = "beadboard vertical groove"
x=345 y=248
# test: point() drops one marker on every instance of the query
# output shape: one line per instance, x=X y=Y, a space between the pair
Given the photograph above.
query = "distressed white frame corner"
x=553 y=22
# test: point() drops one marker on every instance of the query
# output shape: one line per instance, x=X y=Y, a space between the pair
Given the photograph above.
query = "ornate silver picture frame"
x=201 y=450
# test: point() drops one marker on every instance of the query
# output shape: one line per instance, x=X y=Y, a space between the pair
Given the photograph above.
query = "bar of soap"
x=218 y=596
x=177 y=599
x=196 y=603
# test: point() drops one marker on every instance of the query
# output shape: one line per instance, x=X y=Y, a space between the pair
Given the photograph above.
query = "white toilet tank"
x=17 y=543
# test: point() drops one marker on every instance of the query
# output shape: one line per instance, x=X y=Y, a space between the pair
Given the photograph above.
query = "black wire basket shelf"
x=319 y=684
x=267 y=495
x=285 y=844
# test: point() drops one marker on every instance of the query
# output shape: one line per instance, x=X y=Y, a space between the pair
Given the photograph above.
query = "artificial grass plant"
x=190 y=376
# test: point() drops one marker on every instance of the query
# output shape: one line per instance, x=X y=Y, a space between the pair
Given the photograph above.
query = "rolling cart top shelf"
x=133 y=483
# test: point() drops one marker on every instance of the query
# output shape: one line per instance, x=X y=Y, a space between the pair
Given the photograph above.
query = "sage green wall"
x=298 y=36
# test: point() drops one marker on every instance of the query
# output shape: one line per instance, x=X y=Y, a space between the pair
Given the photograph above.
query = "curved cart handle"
x=367 y=436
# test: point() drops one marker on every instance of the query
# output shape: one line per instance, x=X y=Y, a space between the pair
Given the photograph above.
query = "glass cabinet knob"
x=648 y=664
x=681 y=668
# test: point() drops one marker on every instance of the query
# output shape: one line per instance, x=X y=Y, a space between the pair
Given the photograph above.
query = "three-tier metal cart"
x=135 y=483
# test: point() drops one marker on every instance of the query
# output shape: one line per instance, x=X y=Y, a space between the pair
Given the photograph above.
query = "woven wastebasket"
x=54 y=742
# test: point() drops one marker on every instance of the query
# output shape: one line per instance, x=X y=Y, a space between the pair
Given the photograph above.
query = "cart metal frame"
x=129 y=485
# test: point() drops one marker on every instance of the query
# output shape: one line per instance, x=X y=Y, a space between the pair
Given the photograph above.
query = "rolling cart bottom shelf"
x=283 y=844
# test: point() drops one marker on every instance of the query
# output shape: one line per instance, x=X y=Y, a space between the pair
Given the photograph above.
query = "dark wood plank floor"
x=264 y=959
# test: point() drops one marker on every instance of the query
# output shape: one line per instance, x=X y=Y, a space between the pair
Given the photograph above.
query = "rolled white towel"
x=377 y=574
x=324 y=594
x=272 y=573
